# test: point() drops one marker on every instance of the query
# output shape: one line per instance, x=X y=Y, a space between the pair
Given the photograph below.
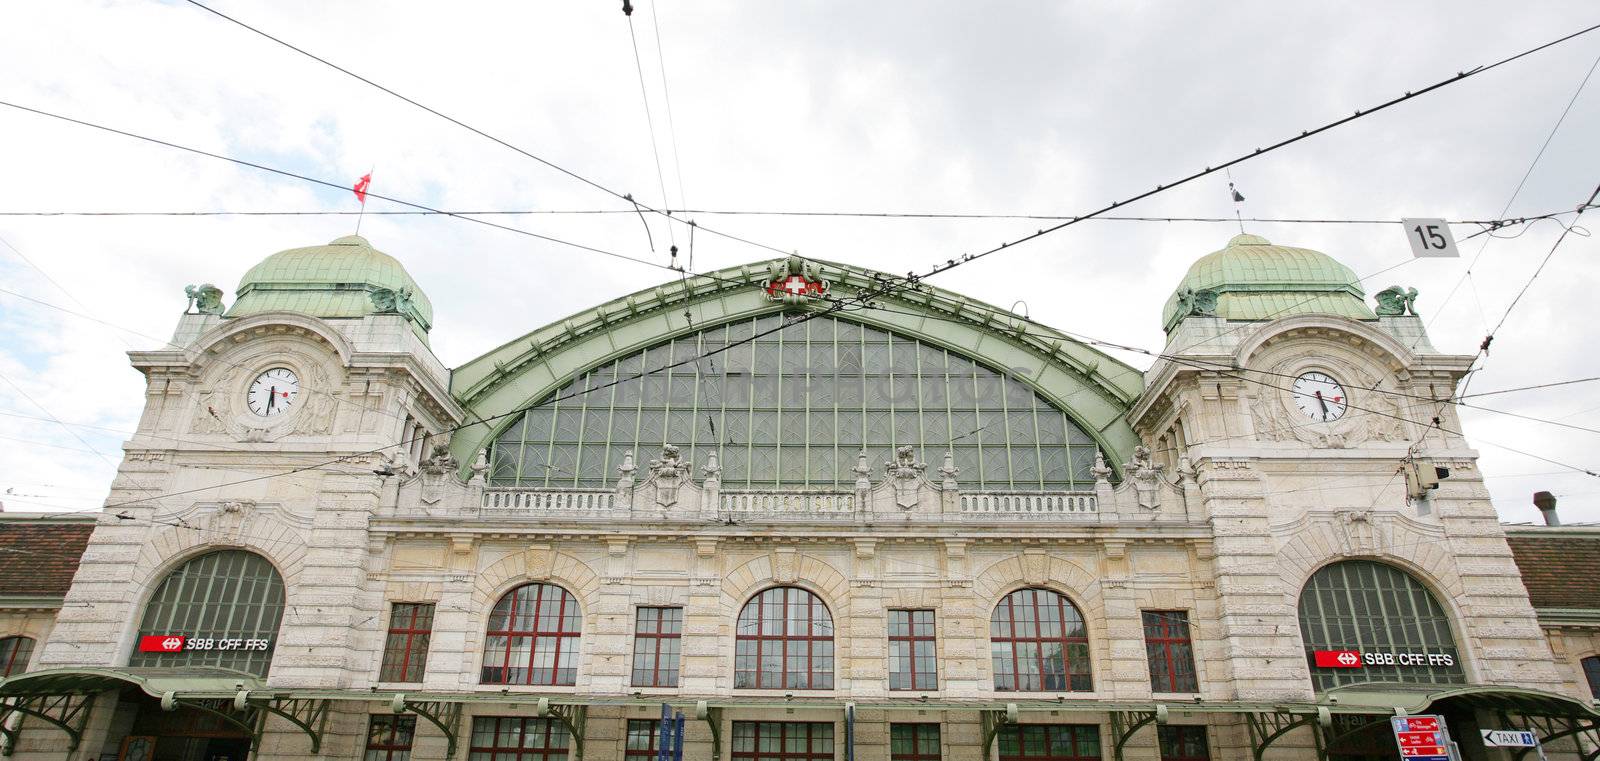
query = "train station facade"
x=910 y=528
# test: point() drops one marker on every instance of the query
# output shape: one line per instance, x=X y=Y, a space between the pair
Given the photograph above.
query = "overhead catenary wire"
x=650 y=122
x=481 y=133
x=912 y=278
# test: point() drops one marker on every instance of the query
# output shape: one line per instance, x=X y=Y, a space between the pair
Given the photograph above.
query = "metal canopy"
x=1415 y=698
x=192 y=682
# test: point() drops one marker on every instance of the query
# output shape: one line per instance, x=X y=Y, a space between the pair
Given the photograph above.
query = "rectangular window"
x=1591 y=672
x=782 y=741
x=913 y=742
x=657 y=638
x=1180 y=743
x=1166 y=642
x=405 y=652
x=912 y=651
x=14 y=655
x=643 y=738
x=517 y=738
x=1050 y=742
x=389 y=737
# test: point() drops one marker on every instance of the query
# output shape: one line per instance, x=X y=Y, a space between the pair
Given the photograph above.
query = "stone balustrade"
x=775 y=504
x=561 y=501
x=1029 y=503
x=788 y=503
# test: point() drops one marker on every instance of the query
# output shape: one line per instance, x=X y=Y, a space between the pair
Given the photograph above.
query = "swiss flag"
x=361 y=187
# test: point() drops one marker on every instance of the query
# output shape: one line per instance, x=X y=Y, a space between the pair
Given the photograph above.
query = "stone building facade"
x=928 y=529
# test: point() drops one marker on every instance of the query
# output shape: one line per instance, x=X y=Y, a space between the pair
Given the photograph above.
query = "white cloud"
x=930 y=106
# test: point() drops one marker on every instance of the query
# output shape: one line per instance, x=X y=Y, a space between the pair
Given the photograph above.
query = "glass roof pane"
x=823 y=390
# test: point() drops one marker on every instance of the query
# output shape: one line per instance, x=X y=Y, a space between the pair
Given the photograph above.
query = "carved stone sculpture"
x=863 y=472
x=1101 y=471
x=1146 y=476
x=1395 y=301
x=794 y=280
x=1202 y=302
x=669 y=471
x=949 y=471
x=905 y=471
x=391 y=300
x=439 y=461
x=203 y=299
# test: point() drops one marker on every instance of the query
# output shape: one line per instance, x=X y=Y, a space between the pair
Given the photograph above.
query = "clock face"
x=273 y=392
x=1320 y=397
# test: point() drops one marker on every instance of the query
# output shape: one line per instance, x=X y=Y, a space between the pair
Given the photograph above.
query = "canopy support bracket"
x=1550 y=728
x=992 y=722
x=442 y=714
x=310 y=715
x=573 y=717
x=1125 y=723
x=1266 y=727
x=713 y=718
x=69 y=713
x=250 y=723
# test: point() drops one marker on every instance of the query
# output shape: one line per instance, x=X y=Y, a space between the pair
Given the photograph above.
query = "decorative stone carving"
x=625 y=472
x=480 y=465
x=1101 y=471
x=783 y=565
x=1035 y=566
x=1145 y=474
x=949 y=471
x=539 y=561
x=228 y=522
x=1395 y=301
x=795 y=281
x=904 y=471
x=203 y=299
x=712 y=470
x=436 y=472
x=863 y=473
x=1186 y=472
x=669 y=472
x=391 y=301
x=1192 y=302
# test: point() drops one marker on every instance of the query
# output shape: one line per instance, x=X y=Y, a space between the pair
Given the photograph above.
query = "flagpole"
x=363 y=212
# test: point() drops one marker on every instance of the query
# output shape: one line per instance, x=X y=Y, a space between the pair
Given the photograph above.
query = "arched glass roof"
x=792 y=410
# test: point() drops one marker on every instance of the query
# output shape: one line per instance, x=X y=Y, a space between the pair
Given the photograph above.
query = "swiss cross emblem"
x=794 y=279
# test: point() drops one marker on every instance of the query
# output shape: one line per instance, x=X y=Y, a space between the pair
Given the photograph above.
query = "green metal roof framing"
x=1093 y=387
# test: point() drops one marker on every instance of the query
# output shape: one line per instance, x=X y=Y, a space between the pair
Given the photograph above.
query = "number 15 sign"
x=1430 y=238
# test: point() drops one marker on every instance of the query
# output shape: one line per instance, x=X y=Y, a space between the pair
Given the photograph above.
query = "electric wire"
x=650 y=123
x=472 y=129
x=1359 y=114
x=666 y=97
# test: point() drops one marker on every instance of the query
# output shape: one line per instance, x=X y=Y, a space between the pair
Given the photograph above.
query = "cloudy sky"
x=993 y=108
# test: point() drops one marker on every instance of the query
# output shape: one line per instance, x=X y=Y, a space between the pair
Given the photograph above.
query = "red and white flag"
x=361 y=187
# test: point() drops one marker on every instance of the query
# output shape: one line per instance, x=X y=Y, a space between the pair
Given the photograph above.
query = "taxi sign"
x=1508 y=738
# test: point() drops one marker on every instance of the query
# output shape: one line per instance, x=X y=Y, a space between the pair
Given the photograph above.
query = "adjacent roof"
x=346 y=278
x=1558 y=566
x=40 y=553
x=1256 y=280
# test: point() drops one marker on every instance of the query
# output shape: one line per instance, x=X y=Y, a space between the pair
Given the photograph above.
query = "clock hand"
x=272 y=394
x=1324 y=405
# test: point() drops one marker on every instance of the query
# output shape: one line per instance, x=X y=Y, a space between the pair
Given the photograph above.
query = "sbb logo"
x=161 y=643
x=1337 y=659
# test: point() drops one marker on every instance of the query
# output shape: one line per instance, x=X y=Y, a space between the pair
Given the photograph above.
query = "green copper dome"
x=1252 y=279
x=346 y=278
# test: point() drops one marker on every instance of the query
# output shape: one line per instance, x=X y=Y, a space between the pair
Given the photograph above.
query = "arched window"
x=219 y=609
x=1039 y=644
x=1364 y=621
x=784 y=641
x=533 y=637
x=1591 y=672
x=14 y=654
x=792 y=409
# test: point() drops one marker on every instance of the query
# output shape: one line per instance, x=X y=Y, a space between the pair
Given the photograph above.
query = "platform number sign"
x=1430 y=238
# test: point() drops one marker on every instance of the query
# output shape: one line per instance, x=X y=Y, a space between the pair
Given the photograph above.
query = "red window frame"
x=646 y=728
x=649 y=640
x=403 y=623
x=545 y=727
x=759 y=729
x=512 y=634
x=764 y=642
x=14 y=659
x=1165 y=632
x=1083 y=742
x=1183 y=742
x=1076 y=673
x=916 y=734
x=395 y=744
x=917 y=646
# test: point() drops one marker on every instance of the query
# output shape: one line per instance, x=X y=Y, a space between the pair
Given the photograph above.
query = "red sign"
x=1429 y=751
x=1418 y=739
x=794 y=285
x=1337 y=659
x=1419 y=723
x=161 y=643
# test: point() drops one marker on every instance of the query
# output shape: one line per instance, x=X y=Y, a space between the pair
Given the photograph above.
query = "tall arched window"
x=792 y=409
x=14 y=654
x=533 y=637
x=1364 y=621
x=1591 y=672
x=219 y=609
x=1039 y=644
x=784 y=640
